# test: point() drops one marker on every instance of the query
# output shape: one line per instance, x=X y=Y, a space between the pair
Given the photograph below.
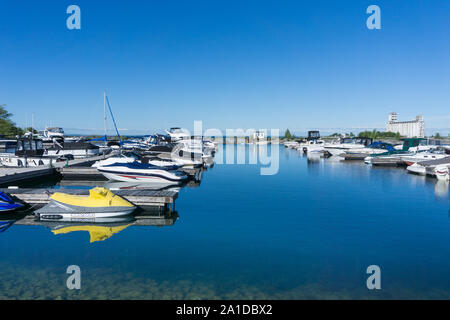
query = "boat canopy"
x=382 y=145
x=99 y=139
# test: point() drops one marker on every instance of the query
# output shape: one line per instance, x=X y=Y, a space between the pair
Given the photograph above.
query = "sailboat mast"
x=104 y=110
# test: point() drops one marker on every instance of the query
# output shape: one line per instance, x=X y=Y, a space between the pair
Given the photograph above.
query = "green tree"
x=7 y=126
x=287 y=135
x=437 y=136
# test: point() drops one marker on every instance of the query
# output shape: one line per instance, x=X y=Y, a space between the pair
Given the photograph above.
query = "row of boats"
x=33 y=150
x=420 y=156
x=151 y=169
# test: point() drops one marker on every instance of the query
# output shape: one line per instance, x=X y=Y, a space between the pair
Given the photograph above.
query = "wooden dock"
x=140 y=198
x=388 y=162
x=11 y=176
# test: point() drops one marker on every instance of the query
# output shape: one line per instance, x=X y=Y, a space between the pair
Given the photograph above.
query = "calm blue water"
x=309 y=231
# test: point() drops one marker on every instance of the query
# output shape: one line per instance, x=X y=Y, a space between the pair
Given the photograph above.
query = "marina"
x=210 y=154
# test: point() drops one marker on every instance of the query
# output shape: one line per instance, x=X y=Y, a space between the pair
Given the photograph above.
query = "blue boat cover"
x=381 y=145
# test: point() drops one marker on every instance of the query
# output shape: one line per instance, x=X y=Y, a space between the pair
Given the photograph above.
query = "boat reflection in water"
x=101 y=229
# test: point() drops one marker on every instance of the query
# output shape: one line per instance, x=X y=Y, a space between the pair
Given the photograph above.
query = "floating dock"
x=166 y=218
x=10 y=176
x=388 y=162
x=140 y=198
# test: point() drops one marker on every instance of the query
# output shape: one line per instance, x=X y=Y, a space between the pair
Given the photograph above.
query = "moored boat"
x=100 y=203
x=141 y=172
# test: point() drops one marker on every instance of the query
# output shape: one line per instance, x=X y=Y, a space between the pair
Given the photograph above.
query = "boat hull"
x=150 y=176
x=58 y=210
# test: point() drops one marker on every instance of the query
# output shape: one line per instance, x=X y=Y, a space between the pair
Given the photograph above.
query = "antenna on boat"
x=114 y=121
x=104 y=112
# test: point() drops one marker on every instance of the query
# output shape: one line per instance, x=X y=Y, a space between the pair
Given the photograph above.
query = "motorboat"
x=376 y=148
x=77 y=149
x=433 y=154
x=29 y=152
x=394 y=158
x=7 y=204
x=177 y=134
x=141 y=172
x=291 y=144
x=100 y=203
x=129 y=157
x=428 y=167
x=347 y=144
x=51 y=134
x=312 y=146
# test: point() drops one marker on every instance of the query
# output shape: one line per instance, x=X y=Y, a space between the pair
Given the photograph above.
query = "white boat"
x=51 y=133
x=139 y=172
x=29 y=152
x=130 y=157
x=429 y=166
x=291 y=144
x=79 y=149
x=436 y=154
x=347 y=144
x=177 y=134
x=312 y=146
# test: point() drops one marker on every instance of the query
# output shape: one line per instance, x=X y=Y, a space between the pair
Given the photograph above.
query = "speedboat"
x=129 y=157
x=430 y=167
x=312 y=146
x=347 y=144
x=100 y=203
x=141 y=172
x=376 y=148
x=78 y=149
x=7 y=204
x=177 y=134
x=434 y=154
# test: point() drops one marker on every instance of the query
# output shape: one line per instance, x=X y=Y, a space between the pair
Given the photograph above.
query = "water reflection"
x=99 y=229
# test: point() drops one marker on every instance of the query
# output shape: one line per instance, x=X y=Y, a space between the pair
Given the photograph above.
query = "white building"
x=409 y=129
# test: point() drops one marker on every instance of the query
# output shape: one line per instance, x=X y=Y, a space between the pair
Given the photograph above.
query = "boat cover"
x=98 y=197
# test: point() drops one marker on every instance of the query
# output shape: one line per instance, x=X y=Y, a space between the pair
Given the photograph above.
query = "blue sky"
x=232 y=64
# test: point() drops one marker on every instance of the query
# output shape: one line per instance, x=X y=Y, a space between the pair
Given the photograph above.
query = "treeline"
x=374 y=134
x=7 y=127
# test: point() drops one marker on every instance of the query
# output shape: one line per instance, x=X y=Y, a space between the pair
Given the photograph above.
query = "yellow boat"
x=100 y=203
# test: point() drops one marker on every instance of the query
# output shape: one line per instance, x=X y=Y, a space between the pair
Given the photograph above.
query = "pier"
x=140 y=198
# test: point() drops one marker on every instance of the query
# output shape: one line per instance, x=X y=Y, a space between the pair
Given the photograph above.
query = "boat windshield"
x=27 y=145
x=348 y=140
x=55 y=130
x=39 y=145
